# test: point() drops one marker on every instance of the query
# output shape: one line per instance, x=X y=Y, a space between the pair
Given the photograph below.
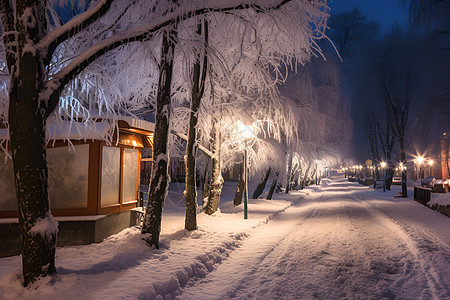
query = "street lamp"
x=244 y=136
x=419 y=161
x=431 y=162
x=383 y=165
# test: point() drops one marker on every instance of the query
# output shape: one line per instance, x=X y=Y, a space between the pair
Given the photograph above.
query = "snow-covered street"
x=337 y=245
x=339 y=240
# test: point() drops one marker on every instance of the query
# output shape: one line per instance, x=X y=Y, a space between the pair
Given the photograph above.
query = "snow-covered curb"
x=440 y=199
x=440 y=202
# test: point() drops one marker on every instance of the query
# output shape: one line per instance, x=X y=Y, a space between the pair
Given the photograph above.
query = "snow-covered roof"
x=138 y=123
x=72 y=131
x=60 y=130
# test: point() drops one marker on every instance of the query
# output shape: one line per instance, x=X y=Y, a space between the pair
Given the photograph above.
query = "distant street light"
x=383 y=165
x=431 y=162
x=419 y=162
x=245 y=137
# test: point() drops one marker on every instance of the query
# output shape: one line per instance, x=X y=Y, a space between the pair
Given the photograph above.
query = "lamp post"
x=419 y=162
x=431 y=162
x=383 y=165
x=244 y=136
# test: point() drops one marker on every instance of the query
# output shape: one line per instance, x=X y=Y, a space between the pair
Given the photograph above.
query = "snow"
x=61 y=130
x=72 y=131
x=440 y=199
x=337 y=240
x=46 y=227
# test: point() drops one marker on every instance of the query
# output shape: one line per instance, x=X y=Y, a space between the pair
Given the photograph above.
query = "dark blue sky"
x=385 y=12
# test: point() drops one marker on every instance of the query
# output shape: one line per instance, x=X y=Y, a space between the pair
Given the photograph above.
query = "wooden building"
x=93 y=186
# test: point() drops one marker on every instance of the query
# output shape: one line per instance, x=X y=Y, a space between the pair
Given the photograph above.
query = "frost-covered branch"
x=9 y=33
x=140 y=33
x=200 y=147
x=54 y=38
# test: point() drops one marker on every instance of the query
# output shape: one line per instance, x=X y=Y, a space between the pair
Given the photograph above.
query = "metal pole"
x=245 y=185
x=384 y=182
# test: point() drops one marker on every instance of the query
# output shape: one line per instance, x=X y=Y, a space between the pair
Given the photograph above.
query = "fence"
x=422 y=195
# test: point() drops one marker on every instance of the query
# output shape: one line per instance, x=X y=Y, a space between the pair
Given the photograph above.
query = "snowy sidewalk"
x=124 y=267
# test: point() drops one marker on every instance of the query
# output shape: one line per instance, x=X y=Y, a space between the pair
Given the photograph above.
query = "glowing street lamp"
x=244 y=136
x=419 y=162
x=383 y=165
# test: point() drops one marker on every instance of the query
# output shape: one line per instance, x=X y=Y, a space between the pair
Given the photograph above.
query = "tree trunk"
x=27 y=135
x=289 y=173
x=403 y=159
x=240 y=187
x=314 y=176
x=260 y=188
x=26 y=118
x=216 y=176
x=205 y=191
x=272 y=187
x=159 y=182
x=305 y=178
x=198 y=88
x=444 y=156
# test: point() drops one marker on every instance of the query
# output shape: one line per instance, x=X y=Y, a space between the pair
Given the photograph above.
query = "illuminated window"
x=68 y=176
x=130 y=169
x=110 y=176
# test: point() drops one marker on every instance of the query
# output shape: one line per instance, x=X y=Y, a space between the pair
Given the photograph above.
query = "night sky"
x=385 y=12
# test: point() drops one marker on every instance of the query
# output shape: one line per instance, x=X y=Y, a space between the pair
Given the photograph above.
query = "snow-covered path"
x=339 y=240
x=338 y=244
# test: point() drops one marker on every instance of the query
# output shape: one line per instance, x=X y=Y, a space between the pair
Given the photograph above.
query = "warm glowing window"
x=110 y=176
x=130 y=169
x=68 y=176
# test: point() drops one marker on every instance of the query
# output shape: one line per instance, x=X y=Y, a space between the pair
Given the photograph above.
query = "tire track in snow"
x=423 y=246
x=192 y=289
x=206 y=263
x=352 y=256
x=360 y=255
